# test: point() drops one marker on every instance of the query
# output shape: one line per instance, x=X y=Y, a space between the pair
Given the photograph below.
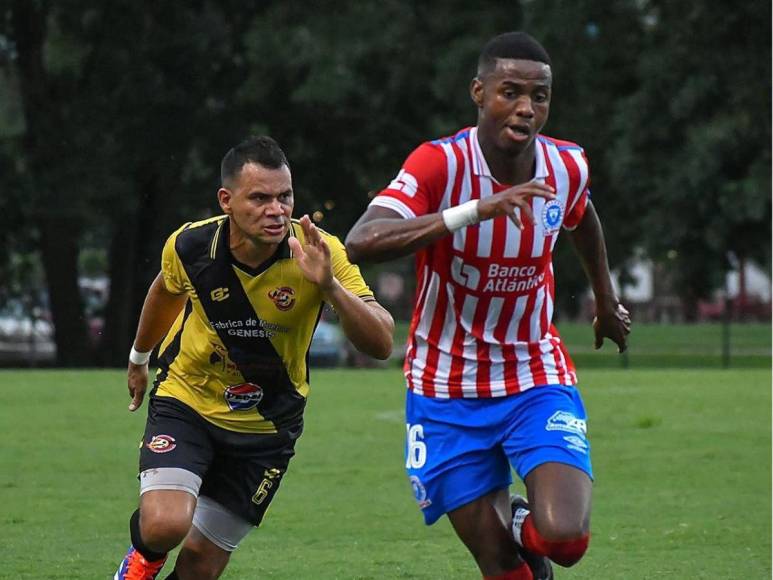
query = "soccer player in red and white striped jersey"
x=490 y=383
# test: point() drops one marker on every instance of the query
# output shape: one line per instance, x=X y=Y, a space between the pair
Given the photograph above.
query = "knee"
x=163 y=530
x=568 y=552
x=560 y=529
x=564 y=542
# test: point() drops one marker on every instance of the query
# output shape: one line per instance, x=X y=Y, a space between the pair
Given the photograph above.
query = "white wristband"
x=460 y=216
x=139 y=358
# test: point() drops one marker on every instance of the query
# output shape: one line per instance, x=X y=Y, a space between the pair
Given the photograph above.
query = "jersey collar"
x=219 y=249
x=480 y=166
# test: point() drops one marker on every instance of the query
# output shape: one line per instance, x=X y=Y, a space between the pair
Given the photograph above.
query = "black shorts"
x=240 y=471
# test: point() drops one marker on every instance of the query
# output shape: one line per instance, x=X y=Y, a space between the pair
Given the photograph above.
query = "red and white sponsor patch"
x=161 y=444
x=283 y=297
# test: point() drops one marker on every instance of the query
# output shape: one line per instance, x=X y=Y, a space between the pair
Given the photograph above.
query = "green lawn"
x=682 y=462
x=664 y=345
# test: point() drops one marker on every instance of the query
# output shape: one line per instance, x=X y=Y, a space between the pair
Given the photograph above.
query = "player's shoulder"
x=297 y=232
x=196 y=237
x=560 y=144
x=460 y=136
x=199 y=227
x=432 y=155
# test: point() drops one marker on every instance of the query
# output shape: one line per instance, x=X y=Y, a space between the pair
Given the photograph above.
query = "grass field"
x=682 y=461
x=664 y=346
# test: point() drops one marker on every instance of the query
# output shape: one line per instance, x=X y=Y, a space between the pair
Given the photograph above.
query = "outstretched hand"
x=313 y=257
x=515 y=198
x=612 y=321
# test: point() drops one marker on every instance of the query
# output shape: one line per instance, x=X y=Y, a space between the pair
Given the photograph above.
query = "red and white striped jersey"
x=482 y=323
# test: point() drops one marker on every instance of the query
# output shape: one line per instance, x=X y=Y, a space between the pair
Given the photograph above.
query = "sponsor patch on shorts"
x=161 y=444
x=566 y=421
x=577 y=443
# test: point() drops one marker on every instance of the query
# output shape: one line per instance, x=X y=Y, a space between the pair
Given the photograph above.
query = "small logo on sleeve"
x=405 y=182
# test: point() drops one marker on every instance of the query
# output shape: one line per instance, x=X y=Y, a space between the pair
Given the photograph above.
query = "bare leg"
x=165 y=518
x=200 y=559
x=559 y=523
x=484 y=527
x=560 y=501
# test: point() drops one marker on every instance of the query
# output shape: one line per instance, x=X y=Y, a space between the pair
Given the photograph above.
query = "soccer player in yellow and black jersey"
x=236 y=304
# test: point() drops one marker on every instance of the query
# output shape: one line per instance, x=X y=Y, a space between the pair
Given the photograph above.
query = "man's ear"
x=476 y=92
x=224 y=199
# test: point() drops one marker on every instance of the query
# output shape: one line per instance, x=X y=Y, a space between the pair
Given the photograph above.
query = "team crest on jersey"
x=161 y=444
x=283 y=297
x=552 y=216
x=243 y=397
x=420 y=492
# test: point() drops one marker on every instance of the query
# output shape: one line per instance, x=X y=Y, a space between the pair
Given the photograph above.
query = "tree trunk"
x=59 y=252
x=690 y=305
x=59 y=233
x=119 y=312
x=134 y=257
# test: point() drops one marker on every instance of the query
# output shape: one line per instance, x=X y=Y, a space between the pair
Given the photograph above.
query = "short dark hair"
x=516 y=45
x=260 y=149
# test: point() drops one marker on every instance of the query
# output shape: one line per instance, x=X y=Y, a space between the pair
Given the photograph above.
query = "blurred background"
x=114 y=117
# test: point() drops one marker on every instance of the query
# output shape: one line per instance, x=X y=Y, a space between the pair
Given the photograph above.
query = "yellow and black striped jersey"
x=237 y=353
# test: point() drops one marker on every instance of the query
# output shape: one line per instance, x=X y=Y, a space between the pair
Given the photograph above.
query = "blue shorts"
x=458 y=450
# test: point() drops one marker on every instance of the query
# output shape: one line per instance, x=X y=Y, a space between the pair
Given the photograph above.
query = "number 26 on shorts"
x=416 y=454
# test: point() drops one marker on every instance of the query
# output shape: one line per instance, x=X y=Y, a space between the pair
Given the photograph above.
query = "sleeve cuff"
x=393 y=204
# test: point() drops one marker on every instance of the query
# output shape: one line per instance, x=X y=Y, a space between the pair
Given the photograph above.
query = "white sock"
x=518 y=517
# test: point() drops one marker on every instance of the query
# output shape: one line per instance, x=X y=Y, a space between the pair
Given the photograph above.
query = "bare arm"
x=612 y=319
x=382 y=234
x=367 y=324
x=159 y=311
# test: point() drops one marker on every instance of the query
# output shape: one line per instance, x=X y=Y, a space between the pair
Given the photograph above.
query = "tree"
x=594 y=48
x=50 y=198
x=349 y=89
x=693 y=150
x=124 y=104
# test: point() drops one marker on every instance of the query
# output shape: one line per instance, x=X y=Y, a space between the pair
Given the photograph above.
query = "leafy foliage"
x=693 y=151
x=114 y=117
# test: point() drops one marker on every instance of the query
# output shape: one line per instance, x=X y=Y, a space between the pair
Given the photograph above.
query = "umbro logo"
x=219 y=294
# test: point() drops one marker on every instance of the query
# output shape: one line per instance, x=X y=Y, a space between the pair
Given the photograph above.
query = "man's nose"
x=274 y=207
x=523 y=106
